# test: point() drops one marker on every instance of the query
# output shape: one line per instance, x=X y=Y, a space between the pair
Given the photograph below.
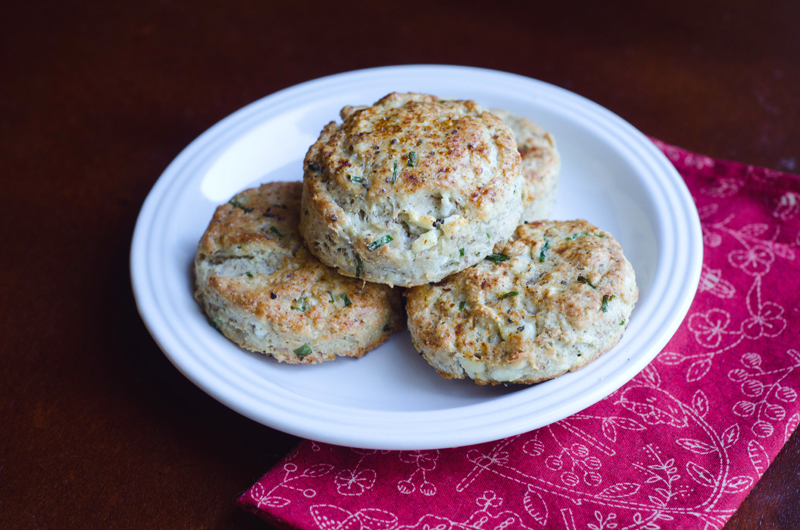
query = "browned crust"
x=449 y=139
x=441 y=328
x=272 y=206
x=447 y=144
x=286 y=289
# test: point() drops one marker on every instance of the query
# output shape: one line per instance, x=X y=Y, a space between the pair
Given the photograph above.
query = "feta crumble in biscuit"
x=263 y=290
x=411 y=189
x=550 y=301
x=541 y=165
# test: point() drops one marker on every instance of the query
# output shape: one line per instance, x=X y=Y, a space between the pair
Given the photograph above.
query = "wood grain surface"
x=97 y=428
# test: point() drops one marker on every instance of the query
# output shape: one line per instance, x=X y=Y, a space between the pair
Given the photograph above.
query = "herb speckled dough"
x=264 y=290
x=541 y=165
x=553 y=299
x=411 y=189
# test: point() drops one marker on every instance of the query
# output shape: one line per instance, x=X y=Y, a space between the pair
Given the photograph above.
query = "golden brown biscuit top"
x=410 y=143
x=552 y=277
x=265 y=219
x=264 y=269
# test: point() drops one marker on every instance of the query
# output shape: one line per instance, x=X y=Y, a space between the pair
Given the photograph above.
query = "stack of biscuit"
x=440 y=197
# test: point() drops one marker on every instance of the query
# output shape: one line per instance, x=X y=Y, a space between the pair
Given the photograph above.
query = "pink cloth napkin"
x=679 y=446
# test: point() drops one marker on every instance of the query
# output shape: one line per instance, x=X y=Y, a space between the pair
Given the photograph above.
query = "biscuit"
x=263 y=290
x=553 y=299
x=541 y=165
x=411 y=189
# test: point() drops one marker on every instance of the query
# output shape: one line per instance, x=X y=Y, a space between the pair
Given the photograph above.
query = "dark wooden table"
x=97 y=429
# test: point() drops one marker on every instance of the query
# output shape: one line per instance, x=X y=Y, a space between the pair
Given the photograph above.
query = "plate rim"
x=207 y=144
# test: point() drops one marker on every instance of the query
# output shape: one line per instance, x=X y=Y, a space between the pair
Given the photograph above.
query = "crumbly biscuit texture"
x=541 y=165
x=550 y=301
x=261 y=287
x=411 y=189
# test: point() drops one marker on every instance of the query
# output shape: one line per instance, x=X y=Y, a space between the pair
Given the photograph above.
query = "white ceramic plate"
x=612 y=175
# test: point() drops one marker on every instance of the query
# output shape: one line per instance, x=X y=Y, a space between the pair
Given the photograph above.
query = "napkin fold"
x=679 y=446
